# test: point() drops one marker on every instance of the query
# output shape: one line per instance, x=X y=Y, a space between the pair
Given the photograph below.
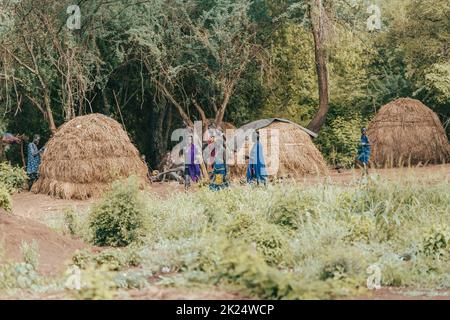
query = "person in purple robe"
x=192 y=170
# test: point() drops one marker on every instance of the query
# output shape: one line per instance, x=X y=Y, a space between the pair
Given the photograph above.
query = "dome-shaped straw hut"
x=85 y=156
x=406 y=132
x=297 y=154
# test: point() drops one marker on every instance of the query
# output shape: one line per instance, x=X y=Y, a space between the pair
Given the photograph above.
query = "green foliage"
x=19 y=276
x=267 y=238
x=96 y=284
x=119 y=218
x=70 y=220
x=291 y=241
x=5 y=199
x=30 y=254
x=131 y=280
x=340 y=139
x=436 y=242
x=12 y=178
x=110 y=259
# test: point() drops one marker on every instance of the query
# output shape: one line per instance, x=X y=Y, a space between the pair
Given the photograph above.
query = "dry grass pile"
x=85 y=156
x=406 y=132
x=297 y=154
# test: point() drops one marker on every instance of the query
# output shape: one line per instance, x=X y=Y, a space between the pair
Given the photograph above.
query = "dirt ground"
x=33 y=216
x=54 y=249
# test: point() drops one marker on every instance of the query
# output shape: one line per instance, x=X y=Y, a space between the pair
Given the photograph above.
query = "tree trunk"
x=322 y=74
x=48 y=109
x=221 y=112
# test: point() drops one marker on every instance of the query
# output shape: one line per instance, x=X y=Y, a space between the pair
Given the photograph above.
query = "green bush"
x=132 y=279
x=96 y=284
x=110 y=259
x=30 y=253
x=119 y=218
x=436 y=242
x=71 y=222
x=289 y=208
x=5 y=199
x=13 y=178
x=267 y=238
x=340 y=139
x=19 y=276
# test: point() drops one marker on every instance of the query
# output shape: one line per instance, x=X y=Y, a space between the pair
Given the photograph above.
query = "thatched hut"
x=85 y=155
x=406 y=132
x=298 y=156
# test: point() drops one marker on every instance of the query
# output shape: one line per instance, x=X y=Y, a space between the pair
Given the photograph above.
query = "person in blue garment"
x=364 y=151
x=219 y=174
x=34 y=160
x=256 y=169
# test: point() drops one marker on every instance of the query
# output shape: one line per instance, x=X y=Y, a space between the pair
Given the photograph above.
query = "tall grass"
x=321 y=237
x=284 y=241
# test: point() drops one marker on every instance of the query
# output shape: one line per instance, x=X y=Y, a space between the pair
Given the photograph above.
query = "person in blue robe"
x=256 y=169
x=364 y=150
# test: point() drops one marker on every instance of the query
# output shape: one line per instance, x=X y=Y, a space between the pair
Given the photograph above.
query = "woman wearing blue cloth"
x=34 y=160
x=256 y=170
x=219 y=179
x=364 y=151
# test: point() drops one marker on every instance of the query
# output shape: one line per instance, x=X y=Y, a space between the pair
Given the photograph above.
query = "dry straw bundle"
x=406 y=132
x=298 y=156
x=85 y=156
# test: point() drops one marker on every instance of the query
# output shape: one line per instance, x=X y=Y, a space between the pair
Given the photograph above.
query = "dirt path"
x=54 y=249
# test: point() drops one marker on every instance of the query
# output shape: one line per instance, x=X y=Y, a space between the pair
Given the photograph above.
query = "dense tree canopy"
x=154 y=65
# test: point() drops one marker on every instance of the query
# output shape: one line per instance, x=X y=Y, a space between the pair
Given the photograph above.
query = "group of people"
x=217 y=168
x=256 y=168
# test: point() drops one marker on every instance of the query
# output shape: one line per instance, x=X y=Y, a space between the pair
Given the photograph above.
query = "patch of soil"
x=44 y=208
x=54 y=249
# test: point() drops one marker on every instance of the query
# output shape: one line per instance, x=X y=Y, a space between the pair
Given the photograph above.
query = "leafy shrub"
x=267 y=238
x=242 y=267
x=436 y=242
x=131 y=279
x=71 y=222
x=19 y=276
x=361 y=228
x=96 y=284
x=30 y=254
x=289 y=209
x=340 y=139
x=110 y=259
x=119 y=218
x=13 y=178
x=5 y=199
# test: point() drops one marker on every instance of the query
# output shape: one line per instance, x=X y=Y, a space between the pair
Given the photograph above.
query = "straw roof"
x=406 y=132
x=298 y=156
x=85 y=155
